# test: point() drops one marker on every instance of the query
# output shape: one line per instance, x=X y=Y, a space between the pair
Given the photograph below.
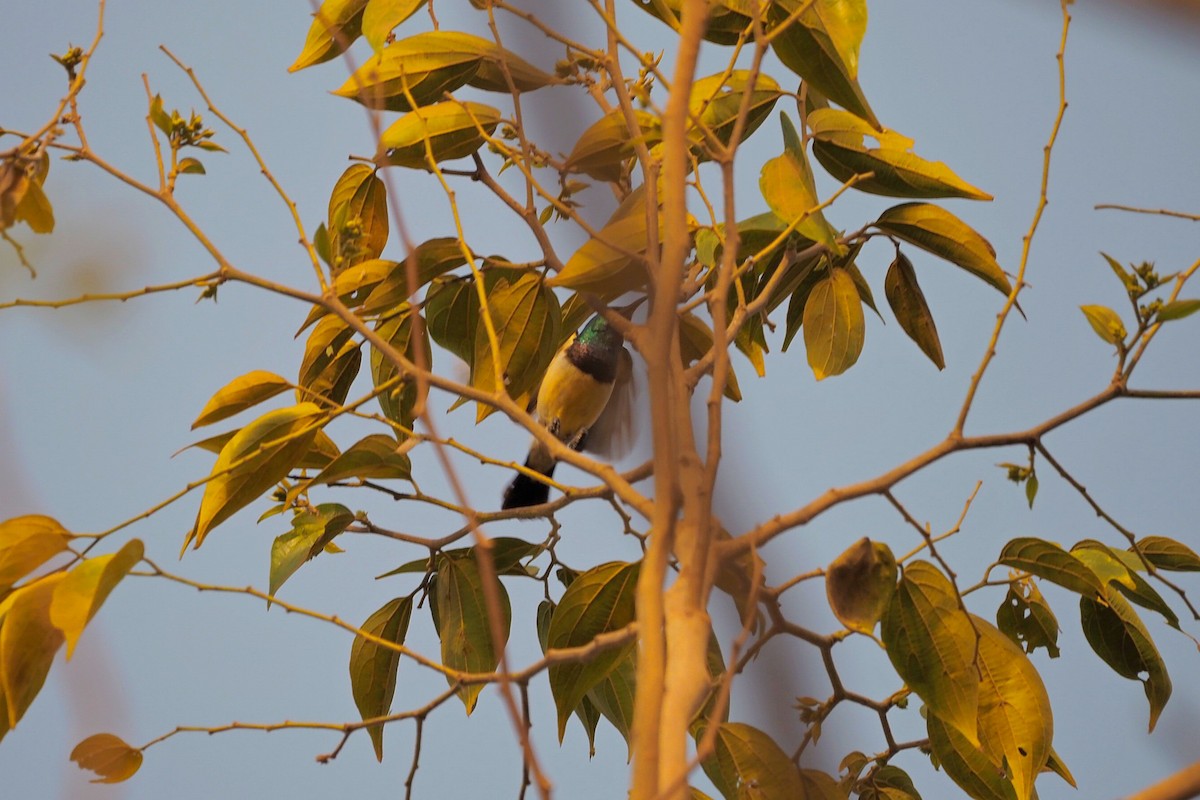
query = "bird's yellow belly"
x=572 y=397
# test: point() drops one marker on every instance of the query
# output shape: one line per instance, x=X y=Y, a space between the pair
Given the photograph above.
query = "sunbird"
x=584 y=399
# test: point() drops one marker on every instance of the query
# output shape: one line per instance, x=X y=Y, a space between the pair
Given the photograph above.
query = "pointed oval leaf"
x=609 y=264
x=419 y=69
x=108 y=756
x=966 y=764
x=80 y=594
x=374 y=456
x=931 y=643
x=399 y=401
x=1165 y=553
x=598 y=601
x=889 y=783
x=434 y=257
x=452 y=129
x=821 y=46
x=1106 y=323
x=462 y=615
x=311 y=531
x=839 y=144
x=358 y=218
x=255 y=459
x=834 y=328
x=28 y=642
x=860 y=583
x=746 y=757
x=26 y=543
x=907 y=300
x=695 y=340
x=602 y=150
x=1117 y=635
x=1177 y=309
x=717 y=99
x=239 y=394
x=1049 y=561
x=787 y=185
x=373 y=666
x=934 y=229
x=381 y=16
x=497 y=61
x=587 y=713
x=336 y=24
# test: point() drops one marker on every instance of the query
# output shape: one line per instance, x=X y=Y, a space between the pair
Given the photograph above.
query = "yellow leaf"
x=81 y=593
x=610 y=264
x=239 y=394
x=936 y=230
x=26 y=543
x=381 y=16
x=335 y=27
x=860 y=583
x=602 y=150
x=787 y=185
x=107 y=756
x=834 y=328
x=28 y=642
x=451 y=130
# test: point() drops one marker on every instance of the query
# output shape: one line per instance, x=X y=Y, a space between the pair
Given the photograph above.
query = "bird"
x=583 y=399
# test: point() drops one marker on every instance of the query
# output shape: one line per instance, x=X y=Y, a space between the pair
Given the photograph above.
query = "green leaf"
x=936 y=230
x=598 y=601
x=398 y=402
x=787 y=185
x=108 y=756
x=381 y=16
x=323 y=449
x=838 y=143
x=1106 y=323
x=507 y=554
x=190 y=166
x=587 y=713
x=717 y=99
x=1048 y=560
x=491 y=75
x=966 y=765
x=462 y=615
x=28 y=642
x=373 y=666
x=418 y=70
x=80 y=594
x=1026 y=619
x=1117 y=635
x=888 y=783
x=696 y=339
x=26 y=543
x=821 y=46
x=602 y=150
x=311 y=532
x=434 y=257
x=834 y=328
x=1122 y=568
x=907 y=300
x=1128 y=280
x=452 y=311
x=239 y=394
x=860 y=583
x=1031 y=488
x=358 y=217
x=255 y=459
x=160 y=118
x=1177 y=309
x=374 y=456
x=527 y=320
x=450 y=130
x=1167 y=554
x=931 y=642
x=611 y=263
x=331 y=341
x=745 y=758
x=335 y=27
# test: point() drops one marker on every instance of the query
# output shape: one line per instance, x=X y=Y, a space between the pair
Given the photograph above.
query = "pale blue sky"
x=93 y=400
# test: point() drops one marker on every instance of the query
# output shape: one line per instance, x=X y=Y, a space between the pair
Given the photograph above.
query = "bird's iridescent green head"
x=600 y=335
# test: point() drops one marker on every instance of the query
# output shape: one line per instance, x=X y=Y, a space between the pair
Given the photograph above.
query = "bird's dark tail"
x=524 y=490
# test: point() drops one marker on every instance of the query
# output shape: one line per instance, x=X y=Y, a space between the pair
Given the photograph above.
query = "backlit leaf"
x=610 y=264
x=419 y=69
x=931 y=643
x=1106 y=323
x=373 y=666
x=834 y=328
x=838 y=143
x=311 y=531
x=374 y=456
x=28 y=642
x=335 y=27
x=1177 y=309
x=974 y=772
x=717 y=99
x=821 y=46
x=381 y=16
x=587 y=713
x=598 y=601
x=787 y=185
x=80 y=594
x=491 y=75
x=888 y=783
x=239 y=394
x=255 y=459
x=449 y=130
x=602 y=149
x=399 y=401
x=26 y=543
x=434 y=258
x=452 y=311
x=936 y=230
x=463 y=627
x=907 y=300
x=746 y=759
x=1025 y=618
x=860 y=583
x=358 y=217
x=108 y=756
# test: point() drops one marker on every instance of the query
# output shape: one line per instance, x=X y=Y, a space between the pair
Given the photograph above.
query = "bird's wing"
x=612 y=434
